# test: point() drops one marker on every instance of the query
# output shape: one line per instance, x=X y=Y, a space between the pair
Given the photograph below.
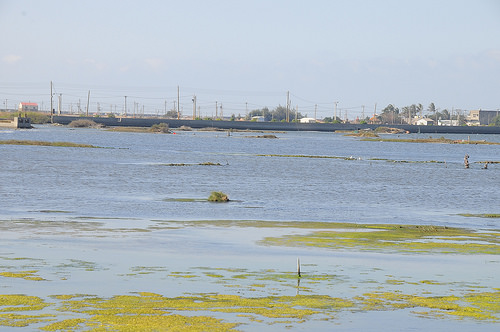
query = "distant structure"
x=28 y=107
x=423 y=122
x=17 y=122
x=258 y=118
x=481 y=117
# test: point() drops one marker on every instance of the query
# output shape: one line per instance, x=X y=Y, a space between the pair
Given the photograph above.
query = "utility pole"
x=194 y=107
x=178 y=103
x=216 y=110
x=221 y=113
x=288 y=106
x=363 y=112
x=165 y=107
x=125 y=111
x=88 y=102
x=335 y=112
x=246 y=109
x=59 y=104
x=51 y=104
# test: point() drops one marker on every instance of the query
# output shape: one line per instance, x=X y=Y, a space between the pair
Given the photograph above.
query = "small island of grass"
x=45 y=143
x=218 y=196
x=428 y=140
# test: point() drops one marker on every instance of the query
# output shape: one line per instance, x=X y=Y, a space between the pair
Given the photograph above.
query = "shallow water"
x=98 y=221
x=131 y=180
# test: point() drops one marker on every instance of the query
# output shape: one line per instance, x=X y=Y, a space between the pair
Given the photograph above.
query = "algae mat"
x=149 y=311
x=103 y=274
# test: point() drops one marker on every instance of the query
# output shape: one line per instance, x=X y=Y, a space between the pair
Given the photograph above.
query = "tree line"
x=388 y=115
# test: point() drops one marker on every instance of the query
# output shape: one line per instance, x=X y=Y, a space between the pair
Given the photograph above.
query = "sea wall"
x=275 y=126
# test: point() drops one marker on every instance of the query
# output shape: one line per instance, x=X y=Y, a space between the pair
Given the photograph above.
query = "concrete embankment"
x=17 y=122
x=275 y=126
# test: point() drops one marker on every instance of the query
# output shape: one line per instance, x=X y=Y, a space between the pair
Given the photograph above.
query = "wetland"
x=390 y=235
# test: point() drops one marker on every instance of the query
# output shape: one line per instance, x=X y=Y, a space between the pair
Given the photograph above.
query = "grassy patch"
x=304 y=156
x=481 y=215
x=428 y=140
x=408 y=161
x=44 y=143
x=208 y=163
x=83 y=123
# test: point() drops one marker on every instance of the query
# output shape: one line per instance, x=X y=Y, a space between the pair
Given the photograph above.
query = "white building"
x=423 y=122
x=258 y=118
x=448 y=123
x=307 y=120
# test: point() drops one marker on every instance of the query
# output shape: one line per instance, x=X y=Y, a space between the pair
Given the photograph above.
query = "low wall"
x=276 y=126
x=17 y=122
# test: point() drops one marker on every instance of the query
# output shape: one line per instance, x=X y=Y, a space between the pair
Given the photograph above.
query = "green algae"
x=146 y=311
x=26 y=275
x=397 y=238
x=20 y=302
x=477 y=306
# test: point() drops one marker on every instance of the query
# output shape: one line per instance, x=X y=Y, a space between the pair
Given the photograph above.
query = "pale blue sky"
x=356 y=52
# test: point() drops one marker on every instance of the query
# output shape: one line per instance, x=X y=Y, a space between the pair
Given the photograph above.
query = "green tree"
x=496 y=121
x=390 y=114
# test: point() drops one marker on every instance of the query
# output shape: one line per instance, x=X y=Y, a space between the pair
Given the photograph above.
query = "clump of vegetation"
x=218 y=196
x=207 y=163
x=267 y=136
x=83 y=123
x=364 y=133
x=160 y=128
x=387 y=130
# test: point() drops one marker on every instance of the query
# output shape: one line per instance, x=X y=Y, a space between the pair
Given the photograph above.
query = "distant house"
x=448 y=123
x=28 y=107
x=473 y=118
x=258 y=118
x=307 y=120
x=424 y=122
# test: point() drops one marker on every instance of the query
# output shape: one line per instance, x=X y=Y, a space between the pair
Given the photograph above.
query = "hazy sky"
x=235 y=52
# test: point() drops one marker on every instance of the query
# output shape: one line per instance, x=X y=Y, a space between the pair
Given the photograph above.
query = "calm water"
x=131 y=179
x=91 y=220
